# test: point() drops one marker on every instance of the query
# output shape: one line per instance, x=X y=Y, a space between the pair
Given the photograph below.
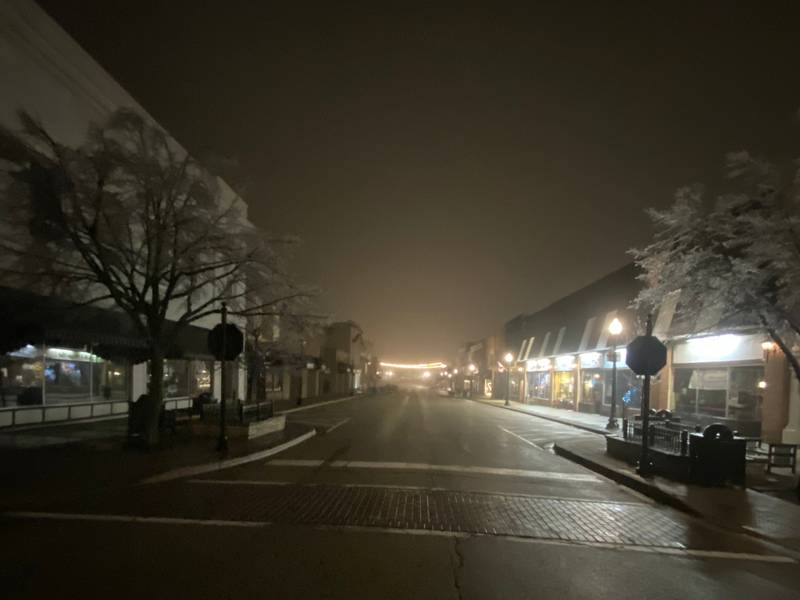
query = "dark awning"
x=34 y=319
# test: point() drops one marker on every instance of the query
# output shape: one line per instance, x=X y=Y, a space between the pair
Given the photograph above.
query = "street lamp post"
x=614 y=328
x=472 y=369
x=508 y=359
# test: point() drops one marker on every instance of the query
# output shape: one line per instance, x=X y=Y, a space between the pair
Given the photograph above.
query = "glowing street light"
x=508 y=359
x=472 y=369
x=614 y=328
x=426 y=374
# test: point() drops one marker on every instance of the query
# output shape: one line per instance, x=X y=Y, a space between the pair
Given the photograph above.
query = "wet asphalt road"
x=407 y=495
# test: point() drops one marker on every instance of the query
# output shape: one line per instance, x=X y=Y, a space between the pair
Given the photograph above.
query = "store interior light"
x=715 y=346
x=768 y=346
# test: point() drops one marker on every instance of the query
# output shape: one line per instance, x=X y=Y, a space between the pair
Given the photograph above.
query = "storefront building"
x=61 y=362
x=730 y=373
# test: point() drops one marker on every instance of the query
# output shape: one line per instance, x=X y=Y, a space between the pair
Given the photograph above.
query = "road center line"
x=339 y=424
x=519 y=437
x=405 y=466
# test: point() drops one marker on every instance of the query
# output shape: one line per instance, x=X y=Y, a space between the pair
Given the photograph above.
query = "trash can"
x=717 y=456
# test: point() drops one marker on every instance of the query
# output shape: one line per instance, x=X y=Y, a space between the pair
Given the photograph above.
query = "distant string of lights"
x=416 y=366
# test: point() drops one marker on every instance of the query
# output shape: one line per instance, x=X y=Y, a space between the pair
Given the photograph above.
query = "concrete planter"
x=248 y=431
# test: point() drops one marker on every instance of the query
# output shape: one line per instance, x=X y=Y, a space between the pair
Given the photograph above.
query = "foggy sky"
x=448 y=168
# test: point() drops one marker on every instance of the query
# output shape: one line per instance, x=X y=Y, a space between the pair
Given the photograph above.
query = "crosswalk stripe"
x=405 y=466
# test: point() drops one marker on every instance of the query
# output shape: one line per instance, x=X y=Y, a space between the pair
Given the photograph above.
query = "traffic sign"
x=646 y=355
x=234 y=341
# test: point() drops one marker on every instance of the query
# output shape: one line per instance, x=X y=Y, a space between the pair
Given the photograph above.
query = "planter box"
x=247 y=431
x=672 y=466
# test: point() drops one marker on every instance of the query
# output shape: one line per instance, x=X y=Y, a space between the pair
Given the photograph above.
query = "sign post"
x=646 y=355
x=225 y=342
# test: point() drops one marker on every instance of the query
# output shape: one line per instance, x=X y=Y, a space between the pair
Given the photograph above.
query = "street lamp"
x=508 y=359
x=472 y=368
x=614 y=328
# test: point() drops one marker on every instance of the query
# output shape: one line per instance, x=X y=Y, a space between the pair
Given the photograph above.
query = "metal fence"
x=664 y=435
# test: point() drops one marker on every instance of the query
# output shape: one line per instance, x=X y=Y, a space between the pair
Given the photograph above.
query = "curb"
x=315 y=405
x=548 y=418
x=226 y=464
x=635 y=483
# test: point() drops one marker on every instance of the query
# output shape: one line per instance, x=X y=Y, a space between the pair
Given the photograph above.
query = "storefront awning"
x=34 y=319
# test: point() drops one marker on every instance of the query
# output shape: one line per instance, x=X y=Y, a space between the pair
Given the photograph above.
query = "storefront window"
x=722 y=392
x=21 y=377
x=629 y=389
x=176 y=379
x=31 y=376
x=200 y=377
x=539 y=386
x=565 y=388
x=593 y=384
x=115 y=382
x=744 y=400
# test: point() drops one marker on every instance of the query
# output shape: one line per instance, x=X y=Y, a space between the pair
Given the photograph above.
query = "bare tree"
x=129 y=219
x=738 y=256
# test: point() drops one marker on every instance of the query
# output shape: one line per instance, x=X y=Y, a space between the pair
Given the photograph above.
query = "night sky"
x=448 y=168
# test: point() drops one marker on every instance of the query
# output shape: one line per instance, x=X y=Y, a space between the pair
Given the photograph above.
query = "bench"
x=782 y=456
x=171 y=419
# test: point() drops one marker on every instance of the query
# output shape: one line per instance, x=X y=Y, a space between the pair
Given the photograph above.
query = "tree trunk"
x=155 y=398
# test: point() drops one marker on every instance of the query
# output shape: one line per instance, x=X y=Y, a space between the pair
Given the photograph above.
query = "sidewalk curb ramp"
x=219 y=465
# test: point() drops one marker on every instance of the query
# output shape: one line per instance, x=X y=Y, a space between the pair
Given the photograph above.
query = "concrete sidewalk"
x=95 y=456
x=588 y=421
x=742 y=510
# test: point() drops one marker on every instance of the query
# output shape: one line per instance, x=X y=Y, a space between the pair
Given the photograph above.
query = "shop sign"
x=72 y=355
x=591 y=360
x=540 y=364
x=565 y=363
x=622 y=355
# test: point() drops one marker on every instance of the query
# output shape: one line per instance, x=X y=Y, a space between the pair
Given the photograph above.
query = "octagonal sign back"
x=646 y=355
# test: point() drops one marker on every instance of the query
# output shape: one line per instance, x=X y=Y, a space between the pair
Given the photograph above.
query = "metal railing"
x=664 y=435
x=18 y=416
